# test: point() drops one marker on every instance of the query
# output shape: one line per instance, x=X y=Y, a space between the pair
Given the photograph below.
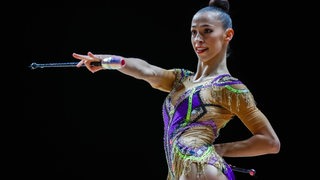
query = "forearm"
x=254 y=146
x=157 y=77
x=139 y=69
x=134 y=67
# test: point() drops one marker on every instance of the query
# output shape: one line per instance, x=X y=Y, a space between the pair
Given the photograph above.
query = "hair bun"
x=222 y=4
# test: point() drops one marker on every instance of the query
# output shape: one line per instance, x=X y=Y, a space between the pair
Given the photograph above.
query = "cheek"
x=215 y=40
x=193 y=42
x=212 y=42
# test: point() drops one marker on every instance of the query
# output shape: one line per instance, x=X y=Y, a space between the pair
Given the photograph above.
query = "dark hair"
x=221 y=7
x=222 y=4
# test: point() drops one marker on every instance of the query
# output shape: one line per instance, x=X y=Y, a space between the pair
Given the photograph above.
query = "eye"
x=208 y=31
x=193 y=32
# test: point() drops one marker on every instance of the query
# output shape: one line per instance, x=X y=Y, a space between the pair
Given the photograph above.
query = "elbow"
x=159 y=87
x=275 y=146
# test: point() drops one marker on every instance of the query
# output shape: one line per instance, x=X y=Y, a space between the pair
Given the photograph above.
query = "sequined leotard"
x=193 y=116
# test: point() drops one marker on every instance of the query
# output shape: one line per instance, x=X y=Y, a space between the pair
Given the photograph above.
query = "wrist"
x=113 y=62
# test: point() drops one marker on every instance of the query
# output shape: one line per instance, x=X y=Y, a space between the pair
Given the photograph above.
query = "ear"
x=229 y=34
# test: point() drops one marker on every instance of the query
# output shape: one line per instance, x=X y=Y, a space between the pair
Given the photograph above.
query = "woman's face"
x=209 y=38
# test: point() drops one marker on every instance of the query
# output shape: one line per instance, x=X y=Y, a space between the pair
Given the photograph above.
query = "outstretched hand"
x=87 y=60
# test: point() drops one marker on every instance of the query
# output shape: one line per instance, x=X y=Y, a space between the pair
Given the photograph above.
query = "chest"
x=187 y=89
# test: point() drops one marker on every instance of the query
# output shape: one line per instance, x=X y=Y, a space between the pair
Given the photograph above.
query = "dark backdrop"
x=110 y=125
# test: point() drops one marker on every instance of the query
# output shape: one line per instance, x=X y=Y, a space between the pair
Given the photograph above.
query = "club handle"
x=62 y=64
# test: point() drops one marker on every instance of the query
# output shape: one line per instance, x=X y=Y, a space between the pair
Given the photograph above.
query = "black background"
x=78 y=124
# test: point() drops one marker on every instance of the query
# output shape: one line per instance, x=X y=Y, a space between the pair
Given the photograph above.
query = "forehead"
x=205 y=18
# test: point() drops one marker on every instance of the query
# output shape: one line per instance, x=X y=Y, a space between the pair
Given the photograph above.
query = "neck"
x=210 y=69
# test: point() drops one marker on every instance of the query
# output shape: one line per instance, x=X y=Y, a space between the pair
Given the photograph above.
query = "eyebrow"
x=204 y=25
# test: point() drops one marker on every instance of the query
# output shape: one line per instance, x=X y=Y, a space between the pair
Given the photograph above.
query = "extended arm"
x=157 y=77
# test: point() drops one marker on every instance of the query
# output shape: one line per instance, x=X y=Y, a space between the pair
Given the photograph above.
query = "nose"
x=198 y=37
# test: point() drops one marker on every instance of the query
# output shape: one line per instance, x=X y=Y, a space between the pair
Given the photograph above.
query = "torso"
x=193 y=116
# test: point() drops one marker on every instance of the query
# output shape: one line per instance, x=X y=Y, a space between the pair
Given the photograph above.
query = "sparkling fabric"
x=194 y=114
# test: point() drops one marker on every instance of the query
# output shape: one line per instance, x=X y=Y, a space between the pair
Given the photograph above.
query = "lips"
x=200 y=50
